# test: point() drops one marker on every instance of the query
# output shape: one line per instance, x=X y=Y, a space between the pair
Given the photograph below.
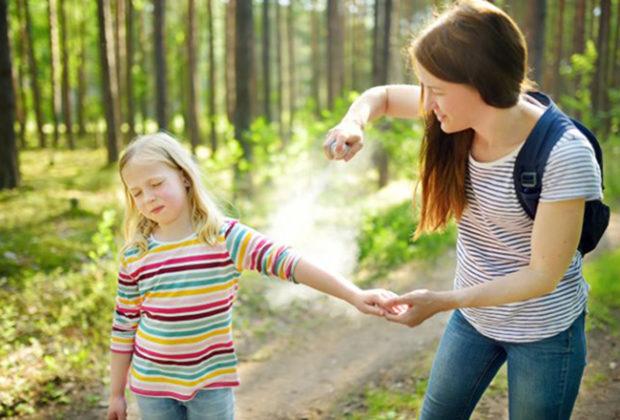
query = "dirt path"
x=302 y=379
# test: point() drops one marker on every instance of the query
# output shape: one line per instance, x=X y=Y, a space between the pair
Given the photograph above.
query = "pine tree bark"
x=192 y=83
x=212 y=74
x=335 y=57
x=316 y=57
x=34 y=75
x=54 y=66
x=66 y=97
x=266 y=62
x=600 y=81
x=244 y=69
x=129 y=55
x=160 y=65
x=535 y=35
x=292 y=90
x=108 y=79
x=231 y=38
x=9 y=165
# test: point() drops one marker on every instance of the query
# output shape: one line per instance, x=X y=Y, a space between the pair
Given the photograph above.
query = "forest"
x=251 y=88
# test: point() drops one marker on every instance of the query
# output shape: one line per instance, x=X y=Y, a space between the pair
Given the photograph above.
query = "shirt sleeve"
x=251 y=250
x=126 y=313
x=572 y=170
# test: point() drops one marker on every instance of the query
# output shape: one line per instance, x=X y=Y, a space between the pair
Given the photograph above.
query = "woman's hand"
x=117 y=410
x=421 y=305
x=375 y=302
x=344 y=141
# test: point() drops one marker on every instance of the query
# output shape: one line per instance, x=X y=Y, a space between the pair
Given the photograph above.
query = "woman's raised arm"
x=346 y=139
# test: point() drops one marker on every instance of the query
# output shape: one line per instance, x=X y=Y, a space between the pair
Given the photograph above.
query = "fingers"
x=342 y=143
x=356 y=147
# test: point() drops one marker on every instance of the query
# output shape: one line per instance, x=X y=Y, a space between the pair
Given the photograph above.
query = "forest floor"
x=321 y=360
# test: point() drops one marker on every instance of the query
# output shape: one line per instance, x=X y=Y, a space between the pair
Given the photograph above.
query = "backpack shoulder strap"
x=533 y=156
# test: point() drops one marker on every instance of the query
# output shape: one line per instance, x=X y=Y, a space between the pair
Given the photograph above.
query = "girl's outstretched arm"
x=119 y=366
x=366 y=301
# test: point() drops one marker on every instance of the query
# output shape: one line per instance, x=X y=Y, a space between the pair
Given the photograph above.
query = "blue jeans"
x=208 y=404
x=543 y=376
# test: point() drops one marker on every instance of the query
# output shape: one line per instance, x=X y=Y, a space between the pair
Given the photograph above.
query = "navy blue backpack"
x=531 y=161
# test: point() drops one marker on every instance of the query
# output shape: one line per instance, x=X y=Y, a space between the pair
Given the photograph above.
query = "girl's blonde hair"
x=206 y=217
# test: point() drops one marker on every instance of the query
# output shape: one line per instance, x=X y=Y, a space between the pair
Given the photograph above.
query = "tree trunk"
x=280 y=68
x=192 y=83
x=579 y=27
x=614 y=66
x=128 y=92
x=292 y=91
x=34 y=74
x=54 y=65
x=212 y=66
x=160 y=64
x=316 y=57
x=381 y=52
x=144 y=64
x=108 y=79
x=121 y=57
x=9 y=166
x=231 y=38
x=66 y=97
x=600 y=82
x=20 y=98
x=266 y=63
x=335 y=64
x=536 y=36
x=81 y=77
x=244 y=69
x=555 y=87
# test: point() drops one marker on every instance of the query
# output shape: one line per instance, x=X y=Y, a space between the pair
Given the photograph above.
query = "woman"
x=519 y=294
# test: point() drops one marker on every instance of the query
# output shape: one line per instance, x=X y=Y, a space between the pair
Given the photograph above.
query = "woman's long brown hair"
x=477 y=44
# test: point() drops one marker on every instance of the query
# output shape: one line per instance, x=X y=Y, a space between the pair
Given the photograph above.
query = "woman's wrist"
x=450 y=300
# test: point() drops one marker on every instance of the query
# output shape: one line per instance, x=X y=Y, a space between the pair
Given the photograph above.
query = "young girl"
x=519 y=291
x=177 y=284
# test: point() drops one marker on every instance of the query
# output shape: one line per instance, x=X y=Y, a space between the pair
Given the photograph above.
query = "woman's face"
x=455 y=105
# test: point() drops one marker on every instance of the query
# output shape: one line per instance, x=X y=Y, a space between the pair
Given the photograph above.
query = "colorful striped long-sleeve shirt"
x=174 y=309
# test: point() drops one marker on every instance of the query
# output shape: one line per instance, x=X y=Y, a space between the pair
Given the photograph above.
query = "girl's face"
x=454 y=104
x=159 y=191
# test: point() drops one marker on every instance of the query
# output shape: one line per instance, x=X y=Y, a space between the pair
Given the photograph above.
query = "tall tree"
x=535 y=34
x=66 y=97
x=9 y=166
x=266 y=62
x=120 y=58
x=54 y=66
x=244 y=69
x=600 y=81
x=34 y=74
x=20 y=92
x=316 y=56
x=380 y=70
x=192 y=83
x=614 y=65
x=555 y=87
x=212 y=66
x=280 y=68
x=160 y=64
x=229 y=56
x=335 y=56
x=81 y=75
x=129 y=55
x=292 y=90
x=108 y=78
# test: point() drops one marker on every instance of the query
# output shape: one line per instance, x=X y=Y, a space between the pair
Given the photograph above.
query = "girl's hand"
x=421 y=305
x=117 y=410
x=343 y=141
x=375 y=302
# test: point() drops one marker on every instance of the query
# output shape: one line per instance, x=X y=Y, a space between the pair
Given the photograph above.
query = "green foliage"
x=386 y=240
x=580 y=71
x=602 y=275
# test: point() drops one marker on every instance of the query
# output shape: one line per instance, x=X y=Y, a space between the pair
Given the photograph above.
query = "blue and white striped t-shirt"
x=494 y=236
